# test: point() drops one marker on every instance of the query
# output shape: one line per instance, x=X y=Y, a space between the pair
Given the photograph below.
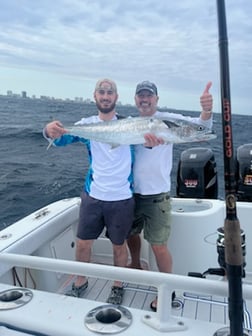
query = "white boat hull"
x=42 y=248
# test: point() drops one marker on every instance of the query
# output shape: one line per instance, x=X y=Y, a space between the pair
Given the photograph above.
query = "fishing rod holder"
x=108 y=319
x=14 y=298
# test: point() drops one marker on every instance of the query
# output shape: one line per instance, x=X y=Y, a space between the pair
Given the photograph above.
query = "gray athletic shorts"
x=153 y=216
x=116 y=216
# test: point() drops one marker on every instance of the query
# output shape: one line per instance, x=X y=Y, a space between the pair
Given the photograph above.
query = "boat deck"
x=190 y=305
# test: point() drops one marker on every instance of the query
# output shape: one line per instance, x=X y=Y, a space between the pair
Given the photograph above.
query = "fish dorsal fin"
x=170 y=124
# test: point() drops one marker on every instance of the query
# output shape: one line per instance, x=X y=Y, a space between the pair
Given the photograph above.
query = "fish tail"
x=50 y=143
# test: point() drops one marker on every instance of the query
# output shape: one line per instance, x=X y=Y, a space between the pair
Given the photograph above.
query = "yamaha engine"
x=244 y=172
x=197 y=174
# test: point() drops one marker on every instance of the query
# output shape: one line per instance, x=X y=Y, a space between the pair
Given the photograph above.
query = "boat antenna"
x=232 y=231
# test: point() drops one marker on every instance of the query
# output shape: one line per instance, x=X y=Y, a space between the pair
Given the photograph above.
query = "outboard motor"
x=197 y=174
x=244 y=173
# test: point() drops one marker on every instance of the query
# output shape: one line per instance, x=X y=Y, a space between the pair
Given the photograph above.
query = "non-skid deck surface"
x=138 y=297
x=190 y=305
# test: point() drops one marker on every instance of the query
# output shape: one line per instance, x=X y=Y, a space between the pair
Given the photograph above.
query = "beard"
x=105 y=110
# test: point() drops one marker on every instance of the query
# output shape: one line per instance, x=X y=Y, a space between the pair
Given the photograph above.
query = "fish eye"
x=201 y=128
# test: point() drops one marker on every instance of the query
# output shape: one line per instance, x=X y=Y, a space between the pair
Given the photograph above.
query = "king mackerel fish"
x=131 y=131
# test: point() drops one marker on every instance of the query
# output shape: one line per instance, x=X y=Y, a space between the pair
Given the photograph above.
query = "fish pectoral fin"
x=170 y=124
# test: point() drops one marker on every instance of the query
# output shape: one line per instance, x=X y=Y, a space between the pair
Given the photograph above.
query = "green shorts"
x=153 y=216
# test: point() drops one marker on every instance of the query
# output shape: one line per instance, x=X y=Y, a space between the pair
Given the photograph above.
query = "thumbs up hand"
x=206 y=100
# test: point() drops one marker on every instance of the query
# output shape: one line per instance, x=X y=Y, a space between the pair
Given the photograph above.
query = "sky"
x=60 y=49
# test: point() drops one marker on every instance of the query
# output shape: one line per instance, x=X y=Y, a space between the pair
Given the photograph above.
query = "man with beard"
x=106 y=200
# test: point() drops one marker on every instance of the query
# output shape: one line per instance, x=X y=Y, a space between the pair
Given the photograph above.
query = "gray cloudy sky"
x=61 y=48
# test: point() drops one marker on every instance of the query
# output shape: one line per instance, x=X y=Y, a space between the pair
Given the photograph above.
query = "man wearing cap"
x=152 y=181
x=106 y=200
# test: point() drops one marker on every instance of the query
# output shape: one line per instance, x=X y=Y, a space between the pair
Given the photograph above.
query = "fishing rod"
x=232 y=231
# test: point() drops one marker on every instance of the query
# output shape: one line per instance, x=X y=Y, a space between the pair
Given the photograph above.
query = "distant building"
x=44 y=97
x=78 y=99
x=24 y=94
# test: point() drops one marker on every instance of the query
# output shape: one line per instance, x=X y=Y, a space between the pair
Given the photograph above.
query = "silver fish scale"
x=132 y=130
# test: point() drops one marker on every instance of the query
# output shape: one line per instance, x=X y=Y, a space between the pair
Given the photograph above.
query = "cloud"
x=174 y=44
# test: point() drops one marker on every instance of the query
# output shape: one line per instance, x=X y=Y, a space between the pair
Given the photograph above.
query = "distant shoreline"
x=86 y=102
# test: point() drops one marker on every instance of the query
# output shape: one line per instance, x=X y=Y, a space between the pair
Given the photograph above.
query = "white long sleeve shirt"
x=109 y=177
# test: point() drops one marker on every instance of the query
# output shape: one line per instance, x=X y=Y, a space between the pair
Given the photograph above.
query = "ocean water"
x=32 y=176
